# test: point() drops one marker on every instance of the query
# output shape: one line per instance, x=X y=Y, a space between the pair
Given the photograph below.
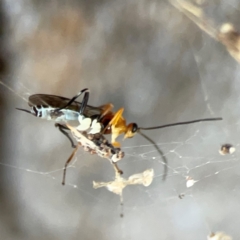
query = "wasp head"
x=131 y=130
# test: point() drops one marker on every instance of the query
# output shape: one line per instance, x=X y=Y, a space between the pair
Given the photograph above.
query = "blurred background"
x=163 y=62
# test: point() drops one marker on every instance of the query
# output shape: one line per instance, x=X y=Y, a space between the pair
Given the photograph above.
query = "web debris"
x=219 y=236
x=227 y=149
x=226 y=34
x=145 y=178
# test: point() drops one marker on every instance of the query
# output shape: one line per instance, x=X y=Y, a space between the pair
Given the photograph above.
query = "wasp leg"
x=74 y=98
x=117 y=169
x=67 y=162
x=84 y=103
x=62 y=130
x=116 y=144
x=117 y=125
x=116 y=117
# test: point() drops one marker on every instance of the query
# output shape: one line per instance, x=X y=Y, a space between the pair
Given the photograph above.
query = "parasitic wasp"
x=100 y=120
x=62 y=109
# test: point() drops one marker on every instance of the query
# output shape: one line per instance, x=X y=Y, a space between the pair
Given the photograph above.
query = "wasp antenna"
x=25 y=110
x=182 y=123
x=159 y=151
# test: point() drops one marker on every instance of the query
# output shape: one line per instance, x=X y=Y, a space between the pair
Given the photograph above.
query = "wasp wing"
x=54 y=101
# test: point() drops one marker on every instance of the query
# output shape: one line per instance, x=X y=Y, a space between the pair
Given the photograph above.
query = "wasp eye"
x=134 y=127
